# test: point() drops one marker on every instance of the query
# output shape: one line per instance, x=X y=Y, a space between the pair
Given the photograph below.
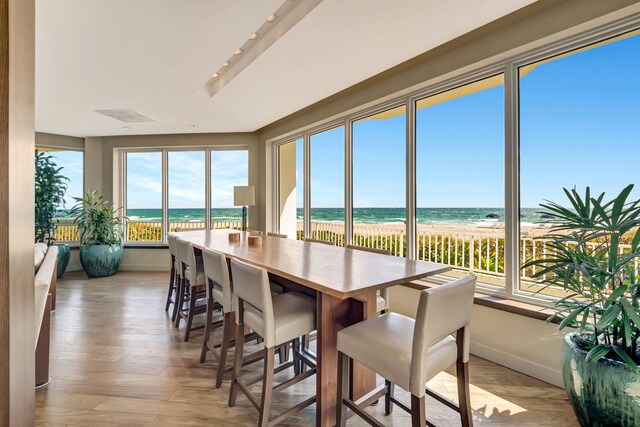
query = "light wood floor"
x=117 y=360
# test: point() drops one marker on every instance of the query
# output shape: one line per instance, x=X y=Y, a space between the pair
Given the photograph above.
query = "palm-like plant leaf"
x=589 y=256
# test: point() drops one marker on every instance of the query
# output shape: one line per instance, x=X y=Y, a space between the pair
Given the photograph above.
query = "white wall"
x=518 y=342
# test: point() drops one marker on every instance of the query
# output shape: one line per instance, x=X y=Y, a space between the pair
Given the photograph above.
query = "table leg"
x=362 y=380
x=335 y=314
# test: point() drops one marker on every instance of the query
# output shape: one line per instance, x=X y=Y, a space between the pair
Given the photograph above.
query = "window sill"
x=498 y=303
x=75 y=246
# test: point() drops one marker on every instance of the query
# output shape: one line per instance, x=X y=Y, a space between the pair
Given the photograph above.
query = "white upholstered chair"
x=192 y=285
x=382 y=297
x=409 y=353
x=279 y=320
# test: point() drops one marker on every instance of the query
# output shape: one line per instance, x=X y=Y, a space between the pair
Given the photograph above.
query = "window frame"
x=122 y=159
x=509 y=67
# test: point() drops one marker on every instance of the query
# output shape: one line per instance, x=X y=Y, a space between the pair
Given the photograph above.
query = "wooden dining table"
x=344 y=282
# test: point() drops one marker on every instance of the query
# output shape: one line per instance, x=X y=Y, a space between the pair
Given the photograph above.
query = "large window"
x=229 y=168
x=144 y=196
x=379 y=181
x=579 y=127
x=486 y=149
x=186 y=190
x=72 y=164
x=460 y=179
x=166 y=190
x=290 y=188
x=327 y=185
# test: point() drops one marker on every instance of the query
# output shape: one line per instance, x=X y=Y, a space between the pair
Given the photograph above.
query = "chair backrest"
x=374 y=250
x=217 y=273
x=255 y=232
x=442 y=310
x=320 y=241
x=182 y=253
x=251 y=285
x=283 y=236
x=171 y=238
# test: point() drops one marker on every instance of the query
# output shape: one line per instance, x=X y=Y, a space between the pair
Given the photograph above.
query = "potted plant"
x=50 y=187
x=100 y=226
x=592 y=253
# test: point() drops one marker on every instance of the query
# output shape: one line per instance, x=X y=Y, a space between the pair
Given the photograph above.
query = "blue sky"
x=72 y=164
x=186 y=177
x=580 y=125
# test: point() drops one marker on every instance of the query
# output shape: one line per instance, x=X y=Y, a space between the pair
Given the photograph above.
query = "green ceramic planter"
x=64 y=254
x=100 y=260
x=603 y=393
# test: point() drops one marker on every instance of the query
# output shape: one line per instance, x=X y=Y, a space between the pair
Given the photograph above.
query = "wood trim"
x=17 y=145
x=498 y=303
x=43 y=347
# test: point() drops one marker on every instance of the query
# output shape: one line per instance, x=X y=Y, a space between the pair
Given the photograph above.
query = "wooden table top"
x=340 y=272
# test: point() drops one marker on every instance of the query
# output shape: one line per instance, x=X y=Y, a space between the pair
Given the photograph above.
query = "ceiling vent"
x=126 y=115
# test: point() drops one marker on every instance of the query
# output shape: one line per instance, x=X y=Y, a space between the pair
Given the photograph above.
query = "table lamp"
x=244 y=196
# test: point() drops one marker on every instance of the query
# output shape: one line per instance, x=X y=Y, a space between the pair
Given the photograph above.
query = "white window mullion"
x=512 y=180
x=411 y=185
x=207 y=189
x=348 y=182
x=307 y=186
x=165 y=195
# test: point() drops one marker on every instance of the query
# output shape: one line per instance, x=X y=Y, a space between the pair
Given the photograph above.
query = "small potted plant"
x=100 y=226
x=50 y=187
x=593 y=254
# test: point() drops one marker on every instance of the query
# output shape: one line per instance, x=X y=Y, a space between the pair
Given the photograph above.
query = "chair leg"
x=388 y=404
x=180 y=301
x=237 y=364
x=171 y=285
x=305 y=346
x=267 y=387
x=191 y=313
x=283 y=353
x=296 y=357
x=224 y=348
x=418 y=416
x=343 y=389
x=207 y=331
x=177 y=290
x=462 y=373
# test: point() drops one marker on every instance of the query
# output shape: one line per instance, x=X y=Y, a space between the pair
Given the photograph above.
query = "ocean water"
x=465 y=216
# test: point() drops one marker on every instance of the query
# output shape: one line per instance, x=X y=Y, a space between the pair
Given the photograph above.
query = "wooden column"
x=17 y=340
x=335 y=314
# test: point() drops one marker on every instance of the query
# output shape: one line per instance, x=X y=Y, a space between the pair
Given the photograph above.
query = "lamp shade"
x=244 y=195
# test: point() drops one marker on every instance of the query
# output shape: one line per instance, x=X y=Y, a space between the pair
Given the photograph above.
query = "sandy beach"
x=489 y=230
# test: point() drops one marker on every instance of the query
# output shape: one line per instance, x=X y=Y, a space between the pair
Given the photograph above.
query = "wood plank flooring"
x=117 y=360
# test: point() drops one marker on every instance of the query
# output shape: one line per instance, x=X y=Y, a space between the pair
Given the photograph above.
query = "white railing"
x=143 y=231
x=481 y=253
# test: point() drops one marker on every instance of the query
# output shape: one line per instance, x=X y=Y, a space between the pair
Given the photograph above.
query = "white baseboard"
x=524 y=366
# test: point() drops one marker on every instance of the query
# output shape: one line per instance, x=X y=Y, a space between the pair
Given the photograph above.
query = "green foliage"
x=98 y=222
x=586 y=259
x=50 y=187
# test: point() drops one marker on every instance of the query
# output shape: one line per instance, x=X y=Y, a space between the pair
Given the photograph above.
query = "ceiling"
x=155 y=56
